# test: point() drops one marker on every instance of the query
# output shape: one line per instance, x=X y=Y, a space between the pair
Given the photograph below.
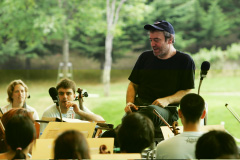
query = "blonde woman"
x=17 y=94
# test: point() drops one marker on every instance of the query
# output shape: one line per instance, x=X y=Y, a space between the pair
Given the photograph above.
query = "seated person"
x=135 y=133
x=71 y=145
x=66 y=92
x=20 y=135
x=182 y=146
x=17 y=94
x=216 y=145
x=5 y=119
x=160 y=77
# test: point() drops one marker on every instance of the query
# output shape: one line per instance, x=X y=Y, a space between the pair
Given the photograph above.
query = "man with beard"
x=160 y=78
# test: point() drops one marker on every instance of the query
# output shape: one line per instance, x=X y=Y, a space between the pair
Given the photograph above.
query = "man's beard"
x=162 y=53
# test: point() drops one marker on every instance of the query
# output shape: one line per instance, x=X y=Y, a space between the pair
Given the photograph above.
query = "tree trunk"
x=107 y=64
x=65 y=56
x=65 y=44
x=112 y=18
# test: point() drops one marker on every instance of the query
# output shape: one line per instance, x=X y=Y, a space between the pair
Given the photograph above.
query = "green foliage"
x=218 y=57
x=216 y=23
x=31 y=28
x=214 y=56
x=232 y=52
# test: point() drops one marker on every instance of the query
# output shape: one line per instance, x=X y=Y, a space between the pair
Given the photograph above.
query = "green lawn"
x=217 y=91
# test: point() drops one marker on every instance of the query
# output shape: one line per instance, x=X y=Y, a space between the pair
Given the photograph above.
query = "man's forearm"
x=90 y=116
x=175 y=98
x=131 y=92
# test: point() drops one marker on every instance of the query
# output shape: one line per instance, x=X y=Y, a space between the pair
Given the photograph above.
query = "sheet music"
x=53 y=129
x=43 y=148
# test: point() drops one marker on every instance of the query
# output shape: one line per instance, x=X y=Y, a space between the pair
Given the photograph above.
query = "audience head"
x=66 y=84
x=192 y=107
x=71 y=145
x=216 y=145
x=135 y=133
x=15 y=112
x=6 y=117
x=14 y=88
x=20 y=133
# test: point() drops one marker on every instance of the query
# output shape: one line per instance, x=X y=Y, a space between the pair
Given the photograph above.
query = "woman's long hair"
x=19 y=132
x=5 y=119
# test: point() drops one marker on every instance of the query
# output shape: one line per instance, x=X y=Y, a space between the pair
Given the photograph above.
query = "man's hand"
x=129 y=107
x=74 y=105
x=161 y=102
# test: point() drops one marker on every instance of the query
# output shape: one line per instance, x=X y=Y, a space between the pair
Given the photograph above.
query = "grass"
x=217 y=91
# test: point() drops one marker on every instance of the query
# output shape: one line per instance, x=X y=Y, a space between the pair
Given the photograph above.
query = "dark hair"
x=216 y=144
x=71 y=145
x=5 y=119
x=66 y=83
x=192 y=106
x=11 y=86
x=20 y=132
x=14 y=112
x=135 y=133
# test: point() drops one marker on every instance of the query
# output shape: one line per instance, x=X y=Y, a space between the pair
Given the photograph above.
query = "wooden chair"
x=37 y=127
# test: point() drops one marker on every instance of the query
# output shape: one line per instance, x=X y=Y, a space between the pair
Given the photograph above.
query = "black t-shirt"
x=157 y=78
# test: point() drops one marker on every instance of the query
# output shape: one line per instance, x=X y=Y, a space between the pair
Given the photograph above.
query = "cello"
x=173 y=128
x=80 y=98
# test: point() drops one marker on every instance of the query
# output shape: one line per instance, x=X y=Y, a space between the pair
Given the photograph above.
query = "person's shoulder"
x=170 y=141
x=35 y=113
x=184 y=58
x=147 y=53
x=183 y=55
x=6 y=108
x=50 y=109
x=31 y=108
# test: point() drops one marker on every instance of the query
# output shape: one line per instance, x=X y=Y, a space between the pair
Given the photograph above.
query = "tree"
x=216 y=26
x=112 y=18
x=63 y=22
x=18 y=36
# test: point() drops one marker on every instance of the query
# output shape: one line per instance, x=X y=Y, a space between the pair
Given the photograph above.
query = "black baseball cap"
x=161 y=25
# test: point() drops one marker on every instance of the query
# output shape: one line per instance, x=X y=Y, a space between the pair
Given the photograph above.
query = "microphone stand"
x=199 y=86
x=59 y=110
x=200 y=83
x=204 y=69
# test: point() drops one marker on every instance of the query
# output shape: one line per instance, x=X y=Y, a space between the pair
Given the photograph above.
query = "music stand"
x=53 y=129
x=43 y=149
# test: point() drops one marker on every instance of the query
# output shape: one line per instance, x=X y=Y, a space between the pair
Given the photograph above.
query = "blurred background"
x=97 y=42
